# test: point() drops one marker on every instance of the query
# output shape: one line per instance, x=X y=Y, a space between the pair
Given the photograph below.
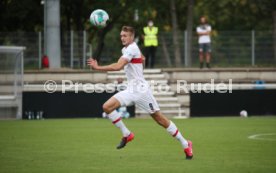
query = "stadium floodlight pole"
x=53 y=48
x=44 y=3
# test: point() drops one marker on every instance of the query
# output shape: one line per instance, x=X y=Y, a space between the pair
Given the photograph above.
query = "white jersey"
x=204 y=38
x=138 y=91
x=134 y=69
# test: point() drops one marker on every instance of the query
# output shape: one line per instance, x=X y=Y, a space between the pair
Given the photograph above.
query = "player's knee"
x=161 y=120
x=106 y=108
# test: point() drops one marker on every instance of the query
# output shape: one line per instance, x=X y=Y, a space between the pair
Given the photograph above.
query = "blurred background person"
x=150 y=43
x=204 y=40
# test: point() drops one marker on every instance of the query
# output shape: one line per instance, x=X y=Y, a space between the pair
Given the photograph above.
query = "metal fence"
x=229 y=48
x=75 y=49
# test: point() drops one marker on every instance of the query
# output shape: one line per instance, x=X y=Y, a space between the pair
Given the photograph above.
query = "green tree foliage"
x=27 y=15
x=224 y=15
x=18 y=15
x=237 y=14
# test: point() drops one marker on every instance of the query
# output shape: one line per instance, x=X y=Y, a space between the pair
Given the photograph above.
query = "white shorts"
x=144 y=100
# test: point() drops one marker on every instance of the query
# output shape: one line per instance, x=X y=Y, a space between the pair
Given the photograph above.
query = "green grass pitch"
x=88 y=145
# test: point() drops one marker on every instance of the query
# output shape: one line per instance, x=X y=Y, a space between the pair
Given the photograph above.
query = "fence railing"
x=229 y=48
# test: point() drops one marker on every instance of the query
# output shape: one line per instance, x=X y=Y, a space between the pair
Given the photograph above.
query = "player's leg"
x=109 y=108
x=147 y=102
x=201 y=55
x=173 y=130
x=208 y=55
x=123 y=98
x=110 y=105
x=170 y=127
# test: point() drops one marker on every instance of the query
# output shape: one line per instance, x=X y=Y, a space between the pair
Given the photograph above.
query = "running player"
x=138 y=92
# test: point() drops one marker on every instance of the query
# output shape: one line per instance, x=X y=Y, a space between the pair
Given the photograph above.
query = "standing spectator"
x=150 y=43
x=204 y=40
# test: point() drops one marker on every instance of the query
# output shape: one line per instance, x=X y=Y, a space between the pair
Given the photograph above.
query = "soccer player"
x=138 y=92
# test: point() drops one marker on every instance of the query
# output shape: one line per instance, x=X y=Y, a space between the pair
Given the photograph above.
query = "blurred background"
x=57 y=38
x=243 y=31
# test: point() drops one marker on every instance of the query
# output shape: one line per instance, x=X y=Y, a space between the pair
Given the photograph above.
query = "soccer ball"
x=243 y=113
x=99 y=18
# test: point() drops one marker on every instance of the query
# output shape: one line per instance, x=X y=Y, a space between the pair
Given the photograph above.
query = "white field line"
x=264 y=136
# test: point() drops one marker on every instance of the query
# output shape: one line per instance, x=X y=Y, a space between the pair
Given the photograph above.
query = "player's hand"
x=92 y=63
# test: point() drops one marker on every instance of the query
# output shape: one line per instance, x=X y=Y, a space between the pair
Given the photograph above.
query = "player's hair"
x=128 y=29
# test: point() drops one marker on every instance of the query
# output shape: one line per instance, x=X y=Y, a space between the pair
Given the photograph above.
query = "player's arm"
x=112 y=67
x=208 y=32
x=203 y=33
x=144 y=59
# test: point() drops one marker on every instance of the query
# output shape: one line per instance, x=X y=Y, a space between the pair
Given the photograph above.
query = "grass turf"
x=88 y=145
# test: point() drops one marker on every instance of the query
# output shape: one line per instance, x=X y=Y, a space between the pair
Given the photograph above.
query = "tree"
x=24 y=15
x=121 y=9
x=190 y=32
x=274 y=34
x=223 y=15
x=175 y=34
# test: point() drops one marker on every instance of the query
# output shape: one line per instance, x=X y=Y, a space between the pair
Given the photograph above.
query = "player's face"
x=203 y=20
x=126 y=38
